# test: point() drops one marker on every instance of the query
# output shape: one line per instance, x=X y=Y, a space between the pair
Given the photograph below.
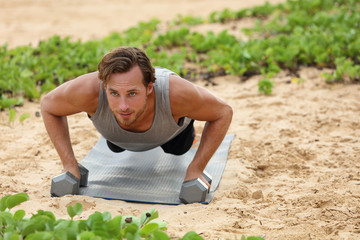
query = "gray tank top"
x=163 y=129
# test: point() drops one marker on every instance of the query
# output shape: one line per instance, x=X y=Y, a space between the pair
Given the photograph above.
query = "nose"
x=123 y=105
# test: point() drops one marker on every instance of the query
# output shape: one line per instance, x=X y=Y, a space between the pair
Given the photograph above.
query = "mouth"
x=125 y=115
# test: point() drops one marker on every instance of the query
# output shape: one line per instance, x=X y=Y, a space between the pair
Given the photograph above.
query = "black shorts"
x=176 y=146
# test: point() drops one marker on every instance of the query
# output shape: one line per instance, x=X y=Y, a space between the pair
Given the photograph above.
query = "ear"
x=150 y=88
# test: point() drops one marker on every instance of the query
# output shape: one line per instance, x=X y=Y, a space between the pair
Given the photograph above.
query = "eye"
x=114 y=94
x=132 y=94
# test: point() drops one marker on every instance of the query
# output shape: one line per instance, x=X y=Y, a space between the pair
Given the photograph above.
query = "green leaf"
x=106 y=216
x=40 y=236
x=12 y=115
x=114 y=226
x=192 y=236
x=78 y=208
x=3 y=203
x=47 y=87
x=161 y=224
x=31 y=91
x=101 y=232
x=19 y=214
x=6 y=218
x=62 y=224
x=19 y=101
x=265 y=86
x=50 y=215
x=94 y=218
x=16 y=199
x=148 y=229
x=131 y=228
x=75 y=210
x=82 y=226
x=72 y=229
x=26 y=73
x=11 y=236
x=60 y=234
x=86 y=235
x=7 y=102
x=144 y=216
x=130 y=236
x=71 y=211
x=254 y=238
x=24 y=116
x=31 y=227
x=159 y=235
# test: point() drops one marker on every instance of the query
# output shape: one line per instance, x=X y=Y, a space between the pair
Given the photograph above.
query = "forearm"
x=58 y=130
x=212 y=136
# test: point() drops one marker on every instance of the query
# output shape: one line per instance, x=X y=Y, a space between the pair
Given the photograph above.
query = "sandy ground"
x=293 y=170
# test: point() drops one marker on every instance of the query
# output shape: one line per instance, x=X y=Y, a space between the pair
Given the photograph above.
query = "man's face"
x=127 y=96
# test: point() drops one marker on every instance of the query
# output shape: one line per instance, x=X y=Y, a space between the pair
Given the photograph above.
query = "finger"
x=206 y=182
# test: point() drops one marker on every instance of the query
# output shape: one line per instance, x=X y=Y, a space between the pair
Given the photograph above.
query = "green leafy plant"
x=286 y=36
x=44 y=225
x=187 y=20
x=172 y=38
x=23 y=117
x=6 y=102
x=346 y=70
x=251 y=238
x=265 y=86
x=12 y=116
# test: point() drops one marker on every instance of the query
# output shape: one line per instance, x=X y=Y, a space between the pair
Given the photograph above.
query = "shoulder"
x=85 y=85
x=190 y=100
x=180 y=87
x=183 y=95
x=78 y=95
x=84 y=91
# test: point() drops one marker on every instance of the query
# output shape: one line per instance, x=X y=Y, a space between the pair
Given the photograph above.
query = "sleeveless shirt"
x=163 y=128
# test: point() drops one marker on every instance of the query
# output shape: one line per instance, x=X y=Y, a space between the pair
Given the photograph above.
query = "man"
x=136 y=107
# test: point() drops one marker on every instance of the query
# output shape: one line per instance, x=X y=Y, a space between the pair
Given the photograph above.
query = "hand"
x=194 y=172
x=73 y=169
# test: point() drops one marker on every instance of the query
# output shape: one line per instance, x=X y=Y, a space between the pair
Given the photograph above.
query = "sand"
x=293 y=170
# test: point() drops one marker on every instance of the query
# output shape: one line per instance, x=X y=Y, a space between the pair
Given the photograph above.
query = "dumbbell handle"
x=84 y=173
x=207 y=177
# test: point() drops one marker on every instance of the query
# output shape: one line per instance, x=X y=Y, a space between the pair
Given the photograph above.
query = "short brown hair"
x=121 y=60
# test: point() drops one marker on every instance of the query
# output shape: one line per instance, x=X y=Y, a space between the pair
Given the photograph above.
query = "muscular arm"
x=78 y=95
x=197 y=103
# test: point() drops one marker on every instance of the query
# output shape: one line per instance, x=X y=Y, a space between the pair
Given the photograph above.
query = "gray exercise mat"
x=151 y=176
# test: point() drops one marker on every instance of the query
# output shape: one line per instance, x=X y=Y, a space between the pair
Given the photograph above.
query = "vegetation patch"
x=287 y=36
x=44 y=225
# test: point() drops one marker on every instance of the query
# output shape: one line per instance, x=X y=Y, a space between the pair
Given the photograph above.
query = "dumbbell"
x=66 y=183
x=195 y=190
